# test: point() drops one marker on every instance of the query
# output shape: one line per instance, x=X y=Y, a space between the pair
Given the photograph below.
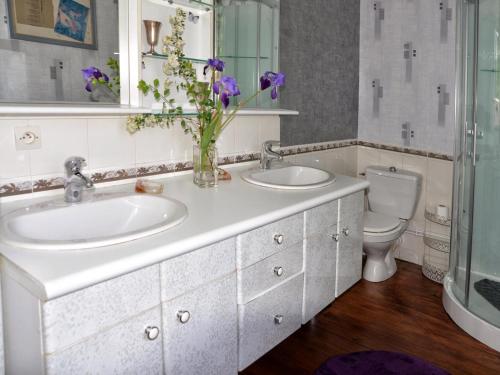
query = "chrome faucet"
x=75 y=181
x=268 y=155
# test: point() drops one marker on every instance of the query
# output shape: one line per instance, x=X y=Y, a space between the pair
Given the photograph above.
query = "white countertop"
x=214 y=214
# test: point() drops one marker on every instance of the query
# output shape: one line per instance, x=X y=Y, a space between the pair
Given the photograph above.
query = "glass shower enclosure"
x=472 y=287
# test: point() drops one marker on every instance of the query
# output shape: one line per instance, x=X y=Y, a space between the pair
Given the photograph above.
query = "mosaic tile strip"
x=26 y=187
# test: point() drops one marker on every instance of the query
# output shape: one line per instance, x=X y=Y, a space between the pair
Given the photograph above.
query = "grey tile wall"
x=319 y=52
x=412 y=57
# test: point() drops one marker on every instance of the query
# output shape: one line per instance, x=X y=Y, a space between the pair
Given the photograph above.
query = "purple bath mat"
x=378 y=363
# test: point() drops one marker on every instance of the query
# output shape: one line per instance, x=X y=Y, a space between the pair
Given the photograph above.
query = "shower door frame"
x=465 y=153
x=455 y=294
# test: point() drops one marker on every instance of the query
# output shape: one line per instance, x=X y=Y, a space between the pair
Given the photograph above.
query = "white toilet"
x=392 y=200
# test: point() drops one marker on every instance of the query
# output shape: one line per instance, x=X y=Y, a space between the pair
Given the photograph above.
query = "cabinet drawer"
x=205 y=342
x=264 y=241
x=71 y=318
x=322 y=219
x=269 y=272
x=187 y=272
x=260 y=326
x=123 y=349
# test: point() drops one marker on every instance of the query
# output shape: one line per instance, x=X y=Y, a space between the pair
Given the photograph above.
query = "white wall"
x=414 y=100
x=107 y=145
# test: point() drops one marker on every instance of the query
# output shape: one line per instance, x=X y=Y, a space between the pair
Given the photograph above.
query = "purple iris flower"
x=273 y=80
x=225 y=88
x=215 y=64
x=92 y=73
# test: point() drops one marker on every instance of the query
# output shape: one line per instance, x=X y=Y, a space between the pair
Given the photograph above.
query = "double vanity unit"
x=243 y=268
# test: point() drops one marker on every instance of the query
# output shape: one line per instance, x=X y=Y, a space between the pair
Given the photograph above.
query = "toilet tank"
x=393 y=192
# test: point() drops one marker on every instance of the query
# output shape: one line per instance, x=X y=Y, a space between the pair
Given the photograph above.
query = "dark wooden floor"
x=403 y=314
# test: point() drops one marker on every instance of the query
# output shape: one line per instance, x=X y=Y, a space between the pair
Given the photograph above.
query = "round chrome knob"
x=152 y=333
x=278 y=271
x=279 y=238
x=183 y=316
x=345 y=231
x=278 y=319
x=335 y=237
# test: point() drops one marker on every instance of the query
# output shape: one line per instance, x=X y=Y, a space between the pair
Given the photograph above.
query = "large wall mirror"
x=45 y=45
x=247 y=40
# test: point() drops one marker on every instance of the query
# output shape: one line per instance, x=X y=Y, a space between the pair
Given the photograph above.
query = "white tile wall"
x=339 y=160
x=61 y=138
x=13 y=163
x=107 y=145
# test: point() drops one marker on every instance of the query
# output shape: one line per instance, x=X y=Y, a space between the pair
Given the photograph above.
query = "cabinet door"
x=350 y=250
x=319 y=284
x=320 y=258
x=269 y=319
x=200 y=330
x=122 y=349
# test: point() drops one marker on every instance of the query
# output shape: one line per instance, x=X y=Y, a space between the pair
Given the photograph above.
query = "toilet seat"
x=379 y=223
x=381 y=228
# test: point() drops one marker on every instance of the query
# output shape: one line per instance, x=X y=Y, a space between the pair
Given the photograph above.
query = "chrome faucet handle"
x=75 y=181
x=267 y=154
x=271 y=143
x=74 y=165
x=267 y=148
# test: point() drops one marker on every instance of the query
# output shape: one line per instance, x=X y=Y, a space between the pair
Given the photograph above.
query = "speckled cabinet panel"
x=207 y=343
x=82 y=314
x=187 y=272
x=123 y=349
x=262 y=276
x=319 y=52
x=258 y=331
x=260 y=243
x=2 y=364
x=320 y=268
x=350 y=248
x=322 y=219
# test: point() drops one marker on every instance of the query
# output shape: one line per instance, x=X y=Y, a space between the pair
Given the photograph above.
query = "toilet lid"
x=378 y=223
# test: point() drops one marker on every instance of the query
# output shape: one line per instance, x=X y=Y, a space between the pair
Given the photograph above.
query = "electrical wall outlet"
x=28 y=138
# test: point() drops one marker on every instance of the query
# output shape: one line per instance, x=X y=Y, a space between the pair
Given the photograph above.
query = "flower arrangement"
x=209 y=96
x=94 y=78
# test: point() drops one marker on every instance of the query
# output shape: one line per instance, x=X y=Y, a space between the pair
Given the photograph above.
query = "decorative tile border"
x=26 y=187
x=303 y=149
x=406 y=150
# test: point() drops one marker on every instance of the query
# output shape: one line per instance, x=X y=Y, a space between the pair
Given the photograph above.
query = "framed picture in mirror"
x=69 y=23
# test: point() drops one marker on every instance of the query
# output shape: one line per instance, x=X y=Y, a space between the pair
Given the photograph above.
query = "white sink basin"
x=292 y=177
x=104 y=220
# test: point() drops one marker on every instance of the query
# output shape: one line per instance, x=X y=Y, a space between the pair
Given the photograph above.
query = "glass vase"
x=205 y=169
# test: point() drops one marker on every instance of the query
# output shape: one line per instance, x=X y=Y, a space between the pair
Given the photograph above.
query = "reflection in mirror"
x=247 y=40
x=48 y=46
